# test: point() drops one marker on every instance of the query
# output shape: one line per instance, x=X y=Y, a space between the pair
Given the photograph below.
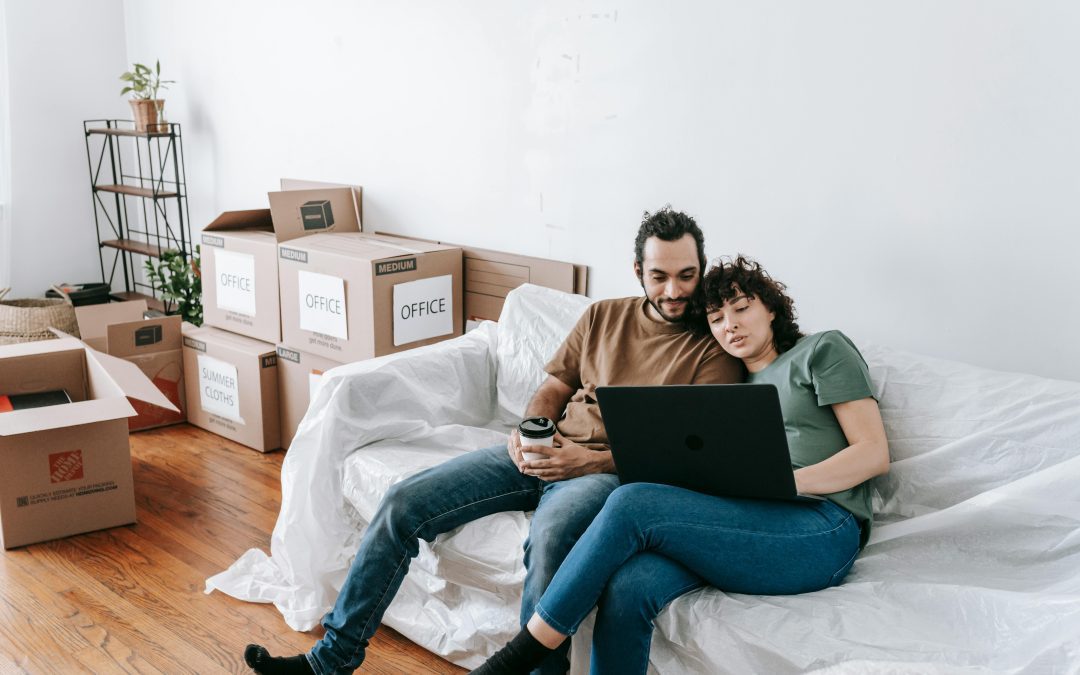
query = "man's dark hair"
x=668 y=225
x=729 y=278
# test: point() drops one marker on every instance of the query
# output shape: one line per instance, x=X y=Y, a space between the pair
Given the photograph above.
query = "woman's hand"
x=866 y=456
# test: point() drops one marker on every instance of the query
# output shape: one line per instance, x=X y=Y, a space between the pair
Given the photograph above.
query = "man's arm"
x=549 y=401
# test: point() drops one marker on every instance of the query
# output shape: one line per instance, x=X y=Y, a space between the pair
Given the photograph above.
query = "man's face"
x=669 y=274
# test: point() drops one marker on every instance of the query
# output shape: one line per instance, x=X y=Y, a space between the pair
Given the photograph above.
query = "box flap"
x=83 y=412
x=357 y=190
x=132 y=381
x=298 y=213
x=146 y=336
x=65 y=343
x=251 y=219
x=125 y=375
x=94 y=320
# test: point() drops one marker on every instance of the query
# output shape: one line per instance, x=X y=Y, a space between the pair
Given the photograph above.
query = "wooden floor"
x=130 y=599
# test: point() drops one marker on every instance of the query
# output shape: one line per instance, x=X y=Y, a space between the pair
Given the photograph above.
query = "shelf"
x=132 y=246
x=151 y=301
x=135 y=191
x=129 y=132
x=147 y=166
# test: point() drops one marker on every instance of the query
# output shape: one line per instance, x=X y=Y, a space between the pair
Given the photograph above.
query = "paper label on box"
x=314 y=381
x=219 y=388
x=234 y=278
x=423 y=309
x=322 y=304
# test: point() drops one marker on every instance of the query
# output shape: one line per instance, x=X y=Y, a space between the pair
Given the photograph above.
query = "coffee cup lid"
x=536 y=427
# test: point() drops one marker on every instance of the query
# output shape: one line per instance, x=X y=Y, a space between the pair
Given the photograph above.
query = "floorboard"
x=130 y=599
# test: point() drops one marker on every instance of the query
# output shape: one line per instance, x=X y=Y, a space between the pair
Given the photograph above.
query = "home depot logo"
x=65 y=466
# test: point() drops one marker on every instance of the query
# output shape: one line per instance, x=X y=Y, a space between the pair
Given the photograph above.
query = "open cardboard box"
x=152 y=344
x=239 y=256
x=67 y=468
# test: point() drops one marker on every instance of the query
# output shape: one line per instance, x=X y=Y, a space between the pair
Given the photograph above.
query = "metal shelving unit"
x=152 y=185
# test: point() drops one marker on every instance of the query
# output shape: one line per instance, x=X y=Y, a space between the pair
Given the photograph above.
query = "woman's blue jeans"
x=652 y=543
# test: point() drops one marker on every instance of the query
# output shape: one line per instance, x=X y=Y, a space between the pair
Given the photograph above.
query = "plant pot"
x=149 y=114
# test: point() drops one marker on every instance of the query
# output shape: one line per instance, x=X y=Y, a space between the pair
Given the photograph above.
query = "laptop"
x=719 y=439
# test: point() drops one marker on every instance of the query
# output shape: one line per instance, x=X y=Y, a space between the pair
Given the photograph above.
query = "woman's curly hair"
x=729 y=278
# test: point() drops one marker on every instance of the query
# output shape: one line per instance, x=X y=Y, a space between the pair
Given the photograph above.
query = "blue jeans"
x=652 y=543
x=440 y=499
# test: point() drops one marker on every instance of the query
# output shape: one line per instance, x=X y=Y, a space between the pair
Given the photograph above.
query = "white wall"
x=5 y=161
x=64 y=58
x=909 y=168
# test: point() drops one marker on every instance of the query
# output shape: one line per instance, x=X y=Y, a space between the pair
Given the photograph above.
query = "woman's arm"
x=866 y=456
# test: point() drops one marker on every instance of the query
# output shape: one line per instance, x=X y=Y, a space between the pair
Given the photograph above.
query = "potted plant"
x=180 y=283
x=144 y=84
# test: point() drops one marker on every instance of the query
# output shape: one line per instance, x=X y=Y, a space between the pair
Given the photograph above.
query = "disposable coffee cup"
x=536 y=431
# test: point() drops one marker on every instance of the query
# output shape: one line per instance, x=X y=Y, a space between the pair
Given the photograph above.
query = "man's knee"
x=399 y=506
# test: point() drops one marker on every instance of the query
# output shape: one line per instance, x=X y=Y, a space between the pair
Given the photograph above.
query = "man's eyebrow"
x=691 y=268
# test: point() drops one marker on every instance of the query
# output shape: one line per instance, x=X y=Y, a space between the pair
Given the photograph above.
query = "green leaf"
x=159 y=67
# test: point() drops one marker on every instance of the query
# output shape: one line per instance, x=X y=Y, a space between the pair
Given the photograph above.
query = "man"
x=625 y=341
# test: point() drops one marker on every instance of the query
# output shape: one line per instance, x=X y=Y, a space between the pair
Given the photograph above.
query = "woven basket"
x=30 y=320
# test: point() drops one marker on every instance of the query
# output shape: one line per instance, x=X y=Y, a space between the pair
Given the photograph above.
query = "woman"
x=652 y=543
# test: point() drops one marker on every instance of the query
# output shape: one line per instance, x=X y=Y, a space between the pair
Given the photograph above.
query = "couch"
x=973 y=566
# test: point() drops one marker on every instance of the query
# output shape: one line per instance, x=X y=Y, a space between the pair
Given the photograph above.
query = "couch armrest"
x=405 y=396
x=451 y=382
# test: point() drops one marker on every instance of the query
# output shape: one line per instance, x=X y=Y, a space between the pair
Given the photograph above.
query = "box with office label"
x=67 y=461
x=239 y=274
x=232 y=386
x=348 y=297
x=299 y=376
x=152 y=344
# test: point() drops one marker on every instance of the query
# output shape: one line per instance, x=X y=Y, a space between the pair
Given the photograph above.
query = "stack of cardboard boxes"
x=292 y=291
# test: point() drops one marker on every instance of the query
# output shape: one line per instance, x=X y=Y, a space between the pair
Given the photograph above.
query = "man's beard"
x=691 y=307
x=659 y=307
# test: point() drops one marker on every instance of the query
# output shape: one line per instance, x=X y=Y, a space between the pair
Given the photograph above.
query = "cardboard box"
x=240 y=276
x=153 y=344
x=349 y=297
x=232 y=387
x=67 y=468
x=299 y=376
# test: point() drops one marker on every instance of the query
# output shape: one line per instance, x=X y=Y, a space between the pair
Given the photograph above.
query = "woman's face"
x=743 y=327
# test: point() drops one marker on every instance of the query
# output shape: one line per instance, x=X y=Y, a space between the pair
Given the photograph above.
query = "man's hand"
x=566 y=460
x=513 y=446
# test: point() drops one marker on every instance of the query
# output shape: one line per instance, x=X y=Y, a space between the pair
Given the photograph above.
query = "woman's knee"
x=629 y=504
x=644 y=585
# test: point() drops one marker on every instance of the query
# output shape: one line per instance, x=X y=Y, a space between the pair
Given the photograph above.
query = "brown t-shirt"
x=616 y=343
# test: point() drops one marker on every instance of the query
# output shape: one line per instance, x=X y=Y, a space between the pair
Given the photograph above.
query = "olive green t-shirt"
x=616 y=343
x=820 y=370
